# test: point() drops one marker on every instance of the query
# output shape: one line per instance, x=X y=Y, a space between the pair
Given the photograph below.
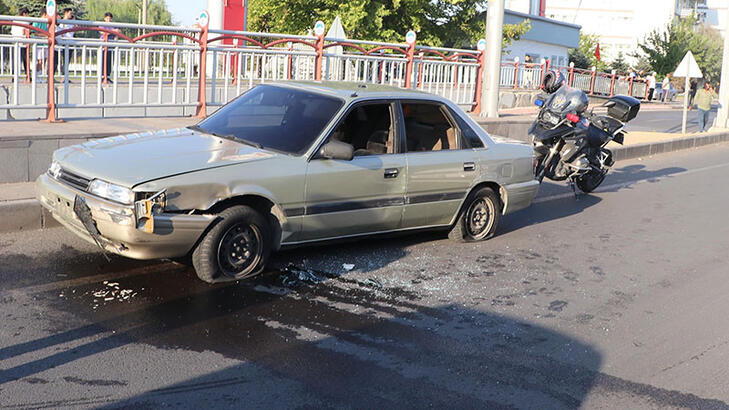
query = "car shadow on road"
x=327 y=345
x=331 y=344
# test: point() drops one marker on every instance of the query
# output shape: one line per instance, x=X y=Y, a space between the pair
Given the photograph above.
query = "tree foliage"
x=584 y=55
x=127 y=11
x=619 y=64
x=36 y=7
x=447 y=23
x=665 y=49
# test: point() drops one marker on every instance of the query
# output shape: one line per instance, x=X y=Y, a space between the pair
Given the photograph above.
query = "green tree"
x=448 y=23
x=36 y=7
x=619 y=64
x=665 y=49
x=584 y=55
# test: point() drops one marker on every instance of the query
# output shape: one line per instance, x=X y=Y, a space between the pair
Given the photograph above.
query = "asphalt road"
x=668 y=120
x=611 y=300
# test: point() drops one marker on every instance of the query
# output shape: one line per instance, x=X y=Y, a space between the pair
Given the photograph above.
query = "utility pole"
x=723 y=115
x=494 y=33
x=144 y=15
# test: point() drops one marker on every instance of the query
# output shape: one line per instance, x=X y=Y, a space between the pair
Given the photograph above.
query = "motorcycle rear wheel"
x=590 y=181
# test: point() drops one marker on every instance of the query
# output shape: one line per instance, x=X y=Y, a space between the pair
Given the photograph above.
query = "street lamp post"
x=723 y=114
x=494 y=27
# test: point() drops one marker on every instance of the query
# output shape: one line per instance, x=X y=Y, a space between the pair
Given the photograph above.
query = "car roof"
x=350 y=91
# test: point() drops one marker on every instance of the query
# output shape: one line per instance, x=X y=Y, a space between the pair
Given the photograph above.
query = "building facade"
x=622 y=24
x=548 y=39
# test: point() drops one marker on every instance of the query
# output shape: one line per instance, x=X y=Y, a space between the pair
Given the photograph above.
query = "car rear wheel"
x=237 y=246
x=479 y=217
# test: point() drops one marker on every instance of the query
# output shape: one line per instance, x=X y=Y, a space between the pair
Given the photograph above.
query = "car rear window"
x=278 y=118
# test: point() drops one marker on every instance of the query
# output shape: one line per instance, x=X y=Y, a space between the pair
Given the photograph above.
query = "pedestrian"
x=42 y=52
x=108 y=54
x=527 y=59
x=67 y=15
x=703 y=104
x=692 y=91
x=22 y=32
x=666 y=87
x=651 y=85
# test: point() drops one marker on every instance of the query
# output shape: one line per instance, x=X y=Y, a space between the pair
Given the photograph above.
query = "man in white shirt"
x=67 y=15
x=651 y=85
x=22 y=32
x=666 y=86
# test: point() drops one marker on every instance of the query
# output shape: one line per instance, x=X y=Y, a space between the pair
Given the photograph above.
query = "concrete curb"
x=27 y=214
x=24 y=215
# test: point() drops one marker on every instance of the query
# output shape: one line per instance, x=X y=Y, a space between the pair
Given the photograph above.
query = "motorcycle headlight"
x=54 y=170
x=112 y=192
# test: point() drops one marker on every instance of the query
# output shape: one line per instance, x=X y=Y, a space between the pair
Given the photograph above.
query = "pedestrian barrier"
x=101 y=65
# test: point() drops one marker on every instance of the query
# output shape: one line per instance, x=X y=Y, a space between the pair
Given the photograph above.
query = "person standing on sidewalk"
x=108 y=55
x=694 y=85
x=22 y=32
x=666 y=87
x=67 y=15
x=651 y=85
x=703 y=104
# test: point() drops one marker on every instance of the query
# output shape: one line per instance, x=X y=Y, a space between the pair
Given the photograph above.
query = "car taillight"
x=574 y=118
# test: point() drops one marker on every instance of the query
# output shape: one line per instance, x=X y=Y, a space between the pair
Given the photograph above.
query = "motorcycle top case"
x=624 y=108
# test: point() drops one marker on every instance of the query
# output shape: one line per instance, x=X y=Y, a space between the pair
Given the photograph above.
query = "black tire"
x=479 y=217
x=590 y=181
x=236 y=247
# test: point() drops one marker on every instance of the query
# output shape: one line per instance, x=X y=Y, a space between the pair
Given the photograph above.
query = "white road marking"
x=605 y=188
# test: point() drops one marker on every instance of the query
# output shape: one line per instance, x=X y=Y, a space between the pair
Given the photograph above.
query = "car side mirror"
x=337 y=150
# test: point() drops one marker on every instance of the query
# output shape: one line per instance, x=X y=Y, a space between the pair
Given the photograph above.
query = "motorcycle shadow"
x=564 y=205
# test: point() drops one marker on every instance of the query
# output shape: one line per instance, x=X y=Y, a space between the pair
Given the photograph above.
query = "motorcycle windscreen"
x=541 y=133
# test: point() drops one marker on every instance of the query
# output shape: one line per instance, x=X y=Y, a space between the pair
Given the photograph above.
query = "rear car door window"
x=427 y=128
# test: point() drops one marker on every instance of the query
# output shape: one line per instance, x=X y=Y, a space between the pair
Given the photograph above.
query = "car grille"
x=74 y=180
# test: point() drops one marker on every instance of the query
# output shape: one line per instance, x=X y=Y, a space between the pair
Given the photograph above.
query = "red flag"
x=597 y=52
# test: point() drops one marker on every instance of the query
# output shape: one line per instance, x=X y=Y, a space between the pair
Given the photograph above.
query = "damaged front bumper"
x=119 y=231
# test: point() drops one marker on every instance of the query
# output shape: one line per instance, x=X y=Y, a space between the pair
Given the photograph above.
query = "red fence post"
x=516 y=72
x=612 y=85
x=630 y=86
x=592 y=81
x=571 y=79
x=479 y=79
x=202 y=99
x=319 y=32
x=291 y=62
x=410 y=40
x=51 y=107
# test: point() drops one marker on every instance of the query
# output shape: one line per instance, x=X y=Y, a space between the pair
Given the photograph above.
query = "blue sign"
x=319 y=28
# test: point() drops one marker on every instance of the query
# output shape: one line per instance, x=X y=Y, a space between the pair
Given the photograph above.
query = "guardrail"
x=529 y=76
x=196 y=67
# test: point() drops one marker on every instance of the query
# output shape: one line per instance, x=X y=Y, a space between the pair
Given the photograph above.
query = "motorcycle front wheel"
x=589 y=181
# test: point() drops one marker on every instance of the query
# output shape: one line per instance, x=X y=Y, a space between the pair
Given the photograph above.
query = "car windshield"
x=270 y=117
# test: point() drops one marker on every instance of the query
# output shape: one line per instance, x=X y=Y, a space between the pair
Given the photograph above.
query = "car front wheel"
x=236 y=247
x=479 y=217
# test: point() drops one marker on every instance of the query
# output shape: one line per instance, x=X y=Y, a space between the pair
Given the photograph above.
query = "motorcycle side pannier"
x=623 y=108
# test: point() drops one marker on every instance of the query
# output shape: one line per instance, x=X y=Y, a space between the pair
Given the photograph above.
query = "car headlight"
x=54 y=170
x=112 y=192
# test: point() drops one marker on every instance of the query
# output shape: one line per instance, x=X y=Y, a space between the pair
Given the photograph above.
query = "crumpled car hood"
x=131 y=159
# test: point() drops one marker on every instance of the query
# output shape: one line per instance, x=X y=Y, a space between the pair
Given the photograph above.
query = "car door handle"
x=391 y=173
x=469 y=166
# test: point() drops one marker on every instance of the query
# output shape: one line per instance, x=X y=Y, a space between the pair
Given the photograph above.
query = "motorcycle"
x=569 y=143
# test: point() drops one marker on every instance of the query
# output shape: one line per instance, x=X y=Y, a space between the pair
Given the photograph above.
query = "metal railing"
x=196 y=67
x=199 y=67
x=529 y=76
